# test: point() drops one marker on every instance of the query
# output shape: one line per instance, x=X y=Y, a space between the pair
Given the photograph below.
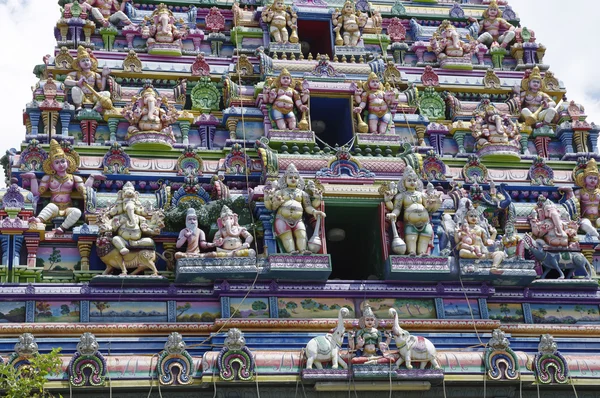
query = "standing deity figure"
x=416 y=206
x=279 y=19
x=548 y=227
x=368 y=341
x=107 y=12
x=493 y=28
x=85 y=80
x=229 y=237
x=290 y=201
x=589 y=194
x=350 y=22
x=283 y=96
x=195 y=238
x=536 y=106
x=60 y=181
x=379 y=102
x=162 y=29
x=489 y=127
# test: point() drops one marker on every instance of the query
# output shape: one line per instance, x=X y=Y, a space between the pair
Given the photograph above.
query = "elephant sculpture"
x=573 y=261
x=412 y=348
x=327 y=348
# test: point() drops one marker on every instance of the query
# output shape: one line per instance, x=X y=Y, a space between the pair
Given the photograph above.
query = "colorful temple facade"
x=310 y=197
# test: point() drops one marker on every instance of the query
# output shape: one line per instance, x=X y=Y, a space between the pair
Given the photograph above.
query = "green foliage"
x=207 y=213
x=259 y=306
x=28 y=381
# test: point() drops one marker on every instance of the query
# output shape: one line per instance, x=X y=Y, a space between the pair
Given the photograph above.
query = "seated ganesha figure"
x=491 y=128
x=549 y=228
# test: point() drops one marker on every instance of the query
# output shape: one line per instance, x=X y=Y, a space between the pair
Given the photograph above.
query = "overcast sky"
x=26 y=28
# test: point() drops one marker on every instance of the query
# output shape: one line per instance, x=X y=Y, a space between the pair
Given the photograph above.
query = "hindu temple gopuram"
x=307 y=198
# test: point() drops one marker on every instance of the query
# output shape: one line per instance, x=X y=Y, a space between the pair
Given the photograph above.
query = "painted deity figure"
x=129 y=223
x=512 y=243
x=589 y=194
x=537 y=107
x=368 y=340
x=60 y=182
x=85 y=80
x=283 y=96
x=480 y=235
x=466 y=241
x=350 y=22
x=416 y=206
x=446 y=42
x=290 y=201
x=548 y=227
x=229 y=236
x=493 y=28
x=148 y=112
x=379 y=102
x=195 y=238
x=279 y=19
x=162 y=28
x=489 y=127
x=107 y=12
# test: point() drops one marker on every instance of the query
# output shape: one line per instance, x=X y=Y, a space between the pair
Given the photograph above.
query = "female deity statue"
x=379 y=102
x=279 y=18
x=368 y=341
x=417 y=205
x=350 y=22
x=290 y=201
x=60 y=182
x=536 y=106
x=283 y=96
x=491 y=128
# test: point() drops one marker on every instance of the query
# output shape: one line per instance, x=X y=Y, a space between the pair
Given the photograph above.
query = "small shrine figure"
x=283 y=96
x=368 y=341
x=290 y=201
x=229 y=236
x=589 y=195
x=416 y=206
x=379 y=102
x=195 y=238
x=279 y=19
x=499 y=132
x=60 y=182
x=85 y=80
x=450 y=50
x=548 y=227
x=512 y=243
x=150 y=118
x=350 y=22
x=466 y=242
x=162 y=34
x=107 y=12
x=493 y=28
x=537 y=107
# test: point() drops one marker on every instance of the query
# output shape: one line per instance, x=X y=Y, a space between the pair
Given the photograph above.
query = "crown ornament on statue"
x=227 y=212
x=57 y=152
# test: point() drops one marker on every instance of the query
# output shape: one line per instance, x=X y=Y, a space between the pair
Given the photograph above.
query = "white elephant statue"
x=412 y=348
x=327 y=348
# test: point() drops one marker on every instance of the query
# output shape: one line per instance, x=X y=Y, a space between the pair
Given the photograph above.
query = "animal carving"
x=412 y=348
x=558 y=261
x=327 y=348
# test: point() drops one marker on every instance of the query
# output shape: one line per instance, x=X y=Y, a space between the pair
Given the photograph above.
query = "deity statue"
x=149 y=114
x=536 y=106
x=60 y=181
x=379 y=102
x=493 y=28
x=279 y=18
x=368 y=341
x=290 y=201
x=85 y=80
x=447 y=45
x=549 y=228
x=195 y=238
x=350 y=22
x=466 y=242
x=491 y=128
x=282 y=94
x=512 y=243
x=162 y=34
x=107 y=12
x=230 y=234
x=417 y=205
x=588 y=196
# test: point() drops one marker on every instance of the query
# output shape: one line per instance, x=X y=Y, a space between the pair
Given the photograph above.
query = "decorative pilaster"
x=437 y=134
x=232 y=127
x=65 y=119
x=566 y=138
x=85 y=248
x=113 y=123
x=32 y=242
x=184 y=125
x=108 y=37
x=498 y=53
x=34 y=117
x=17 y=245
x=5 y=245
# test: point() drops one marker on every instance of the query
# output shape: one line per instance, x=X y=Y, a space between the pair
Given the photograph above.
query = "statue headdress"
x=494 y=5
x=82 y=53
x=534 y=74
x=227 y=212
x=367 y=312
x=583 y=169
x=372 y=76
x=284 y=72
x=291 y=169
x=351 y=3
x=409 y=172
x=57 y=152
x=190 y=212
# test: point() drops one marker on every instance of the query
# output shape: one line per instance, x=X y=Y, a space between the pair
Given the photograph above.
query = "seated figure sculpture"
x=495 y=135
x=379 y=102
x=162 y=34
x=107 y=12
x=350 y=22
x=85 y=80
x=290 y=201
x=60 y=182
x=368 y=342
x=284 y=97
x=279 y=19
x=537 y=107
x=416 y=206
x=195 y=238
x=586 y=176
x=451 y=51
x=549 y=228
x=229 y=237
x=493 y=28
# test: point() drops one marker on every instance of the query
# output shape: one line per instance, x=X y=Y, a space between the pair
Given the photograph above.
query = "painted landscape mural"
x=461 y=309
x=506 y=312
x=112 y=311
x=565 y=313
x=198 y=311
x=57 y=311
x=249 y=308
x=313 y=308
x=406 y=308
x=12 y=311
x=58 y=258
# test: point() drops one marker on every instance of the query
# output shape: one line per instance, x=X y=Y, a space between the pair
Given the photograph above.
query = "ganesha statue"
x=125 y=239
x=416 y=204
x=451 y=51
x=150 y=118
x=164 y=36
x=496 y=136
x=549 y=229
